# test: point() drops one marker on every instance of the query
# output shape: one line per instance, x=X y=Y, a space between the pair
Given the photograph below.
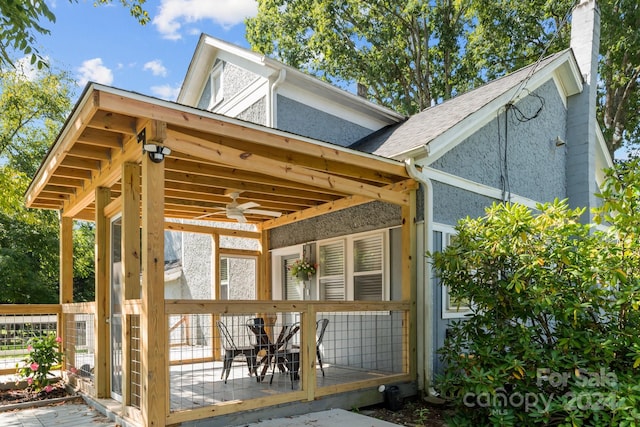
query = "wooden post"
x=153 y=323
x=264 y=290
x=130 y=264
x=409 y=289
x=308 y=349
x=102 y=333
x=215 y=255
x=66 y=288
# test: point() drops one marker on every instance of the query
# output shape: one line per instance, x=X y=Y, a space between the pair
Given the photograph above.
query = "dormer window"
x=212 y=95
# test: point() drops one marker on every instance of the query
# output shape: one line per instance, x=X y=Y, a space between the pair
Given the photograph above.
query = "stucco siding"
x=235 y=79
x=367 y=217
x=256 y=113
x=451 y=204
x=305 y=120
x=535 y=166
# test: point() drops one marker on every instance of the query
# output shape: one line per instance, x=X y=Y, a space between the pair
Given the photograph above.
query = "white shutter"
x=292 y=287
x=368 y=257
x=331 y=275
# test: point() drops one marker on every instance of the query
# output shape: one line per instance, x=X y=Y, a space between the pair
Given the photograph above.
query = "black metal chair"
x=231 y=351
x=287 y=355
x=321 y=327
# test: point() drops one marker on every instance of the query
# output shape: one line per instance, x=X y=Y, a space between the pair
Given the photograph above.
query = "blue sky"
x=105 y=44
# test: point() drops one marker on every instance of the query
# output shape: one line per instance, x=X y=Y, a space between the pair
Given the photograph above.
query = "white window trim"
x=349 y=267
x=276 y=270
x=449 y=312
x=216 y=74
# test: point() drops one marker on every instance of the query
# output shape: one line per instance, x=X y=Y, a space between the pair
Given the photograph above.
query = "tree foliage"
x=552 y=339
x=21 y=24
x=412 y=54
x=33 y=112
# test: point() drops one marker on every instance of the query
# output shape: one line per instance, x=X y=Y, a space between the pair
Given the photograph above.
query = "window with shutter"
x=354 y=268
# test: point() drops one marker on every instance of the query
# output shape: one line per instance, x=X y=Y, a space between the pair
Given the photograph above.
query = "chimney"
x=581 y=114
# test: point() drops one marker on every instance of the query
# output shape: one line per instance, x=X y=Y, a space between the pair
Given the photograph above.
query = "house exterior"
x=528 y=137
x=325 y=176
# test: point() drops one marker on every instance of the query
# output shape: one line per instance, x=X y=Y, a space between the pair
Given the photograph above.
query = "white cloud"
x=166 y=92
x=227 y=13
x=93 y=70
x=156 y=67
x=29 y=71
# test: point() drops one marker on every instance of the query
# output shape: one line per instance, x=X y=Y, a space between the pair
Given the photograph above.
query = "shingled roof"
x=422 y=128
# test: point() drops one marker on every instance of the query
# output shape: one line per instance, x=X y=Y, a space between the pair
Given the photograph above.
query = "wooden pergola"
x=97 y=168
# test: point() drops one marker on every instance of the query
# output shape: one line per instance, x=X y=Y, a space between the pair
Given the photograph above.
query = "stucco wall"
x=451 y=203
x=235 y=79
x=367 y=217
x=256 y=113
x=307 y=121
x=535 y=165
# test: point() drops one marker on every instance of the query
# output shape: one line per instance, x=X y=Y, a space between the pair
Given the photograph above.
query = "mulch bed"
x=17 y=395
x=414 y=412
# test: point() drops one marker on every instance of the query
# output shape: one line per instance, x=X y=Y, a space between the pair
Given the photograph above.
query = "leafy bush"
x=44 y=356
x=553 y=335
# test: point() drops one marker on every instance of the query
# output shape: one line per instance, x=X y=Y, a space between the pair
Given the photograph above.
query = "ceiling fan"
x=236 y=211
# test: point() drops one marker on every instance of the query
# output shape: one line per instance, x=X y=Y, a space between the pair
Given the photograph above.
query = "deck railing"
x=365 y=344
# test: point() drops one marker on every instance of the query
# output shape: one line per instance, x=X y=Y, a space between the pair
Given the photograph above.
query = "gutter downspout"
x=425 y=292
x=272 y=102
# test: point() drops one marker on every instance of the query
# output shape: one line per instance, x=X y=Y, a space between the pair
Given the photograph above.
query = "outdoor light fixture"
x=156 y=152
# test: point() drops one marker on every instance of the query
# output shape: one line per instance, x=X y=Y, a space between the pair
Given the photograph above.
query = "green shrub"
x=44 y=356
x=554 y=334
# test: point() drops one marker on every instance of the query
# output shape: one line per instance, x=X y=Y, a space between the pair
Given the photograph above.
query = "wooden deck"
x=199 y=385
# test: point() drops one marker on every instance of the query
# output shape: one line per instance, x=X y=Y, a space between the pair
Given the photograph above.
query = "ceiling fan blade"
x=263 y=212
x=238 y=217
x=248 y=205
x=210 y=214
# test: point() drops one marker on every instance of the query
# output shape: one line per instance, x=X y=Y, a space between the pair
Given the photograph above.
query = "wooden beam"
x=73 y=173
x=74 y=127
x=131 y=230
x=277 y=187
x=80 y=163
x=65 y=182
x=106 y=177
x=214 y=124
x=130 y=264
x=66 y=286
x=202 y=171
x=335 y=206
x=153 y=323
x=102 y=332
x=249 y=161
x=66 y=260
x=107 y=120
x=90 y=152
x=193 y=228
x=101 y=138
x=361 y=171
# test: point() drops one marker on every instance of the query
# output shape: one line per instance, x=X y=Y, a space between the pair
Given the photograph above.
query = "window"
x=212 y=94
x=451 y=307
x=354 y=268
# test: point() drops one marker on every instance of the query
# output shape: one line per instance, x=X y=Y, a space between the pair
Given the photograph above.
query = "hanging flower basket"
x=303 y=269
